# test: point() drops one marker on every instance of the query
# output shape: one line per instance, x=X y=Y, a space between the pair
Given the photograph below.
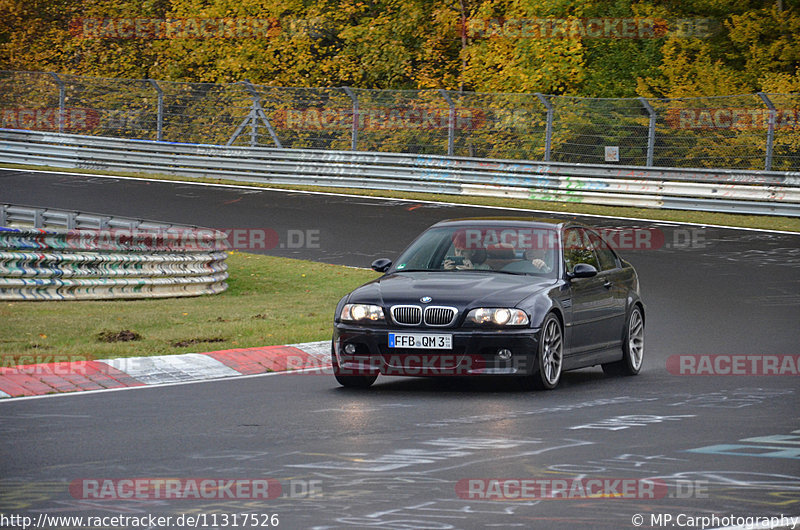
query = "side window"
x=578 y=249
x=606 y=256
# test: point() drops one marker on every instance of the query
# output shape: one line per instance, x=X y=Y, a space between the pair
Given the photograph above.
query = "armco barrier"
x=736 y=191
x=84 y=256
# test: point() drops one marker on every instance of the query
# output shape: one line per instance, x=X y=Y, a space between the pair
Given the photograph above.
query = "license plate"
x=422 y=341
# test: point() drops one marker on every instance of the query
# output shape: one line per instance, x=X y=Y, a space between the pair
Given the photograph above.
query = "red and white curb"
x=53 y=378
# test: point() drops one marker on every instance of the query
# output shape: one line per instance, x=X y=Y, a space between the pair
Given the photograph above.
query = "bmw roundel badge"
x=426 y=299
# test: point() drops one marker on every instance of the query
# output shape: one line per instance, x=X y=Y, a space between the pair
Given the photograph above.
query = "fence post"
x=61 y=101
x=160 y=115
x=770 y=131
x=258 y=112
x=548 y=131
x=451 y=121
x=254 y=124
x=354 y=98
x=253 y=113
x=651 y=130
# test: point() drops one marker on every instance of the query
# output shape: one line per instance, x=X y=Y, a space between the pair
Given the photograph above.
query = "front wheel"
x=632 y=347
x=350 y=381
x=549 y=356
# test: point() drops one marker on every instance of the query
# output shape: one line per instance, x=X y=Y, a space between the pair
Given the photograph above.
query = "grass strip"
x=269 y=301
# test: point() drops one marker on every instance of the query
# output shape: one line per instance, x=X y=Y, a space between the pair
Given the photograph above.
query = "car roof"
x=534 y=222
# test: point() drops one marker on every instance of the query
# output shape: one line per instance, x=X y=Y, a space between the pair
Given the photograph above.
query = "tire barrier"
x=144 y=260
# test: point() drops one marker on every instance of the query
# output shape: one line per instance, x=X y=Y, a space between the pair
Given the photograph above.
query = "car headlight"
x=358 y=312
x=498 y=316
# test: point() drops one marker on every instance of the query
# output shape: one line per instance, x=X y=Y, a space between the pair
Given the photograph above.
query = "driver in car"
x=466 y=258
x=539 y=258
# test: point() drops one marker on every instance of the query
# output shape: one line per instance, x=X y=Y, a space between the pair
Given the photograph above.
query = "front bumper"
x=474 y=352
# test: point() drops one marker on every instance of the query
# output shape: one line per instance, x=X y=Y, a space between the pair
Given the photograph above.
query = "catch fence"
x=746 y=132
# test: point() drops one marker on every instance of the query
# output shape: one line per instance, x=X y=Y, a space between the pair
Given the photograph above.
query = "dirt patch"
x=189 y=342
x=125 y=335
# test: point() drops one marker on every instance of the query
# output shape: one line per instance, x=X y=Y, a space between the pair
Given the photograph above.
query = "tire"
x=549 y=356
x=632 y=347
x=350 y=381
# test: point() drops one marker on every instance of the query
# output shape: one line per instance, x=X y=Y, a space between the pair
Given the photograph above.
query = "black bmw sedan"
x=528 y=298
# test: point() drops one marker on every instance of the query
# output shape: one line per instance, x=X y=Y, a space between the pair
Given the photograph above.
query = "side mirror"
x=583 y=270
x=381 y=265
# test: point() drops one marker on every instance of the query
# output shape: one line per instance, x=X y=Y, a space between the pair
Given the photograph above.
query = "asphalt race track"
x=428 y=453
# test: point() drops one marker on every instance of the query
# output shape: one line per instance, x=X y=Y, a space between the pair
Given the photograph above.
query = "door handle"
x=607 y=285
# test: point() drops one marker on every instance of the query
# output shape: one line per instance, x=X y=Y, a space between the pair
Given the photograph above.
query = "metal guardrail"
x=32 y=217
x=750 y=192
x=59 y=255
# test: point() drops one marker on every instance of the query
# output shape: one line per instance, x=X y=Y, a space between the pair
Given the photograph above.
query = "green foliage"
x=710 y=47
x=493 y=55
x=750 y=49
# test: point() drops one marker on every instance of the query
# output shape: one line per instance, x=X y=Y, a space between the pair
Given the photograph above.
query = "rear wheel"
x=549 y=356
x=632 y=347
x=350 y=381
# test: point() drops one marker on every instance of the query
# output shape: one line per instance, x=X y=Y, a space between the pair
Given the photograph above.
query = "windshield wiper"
x=462 y=270
x=483 y=270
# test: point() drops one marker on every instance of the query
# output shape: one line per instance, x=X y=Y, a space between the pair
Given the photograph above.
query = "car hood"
x=450 y=288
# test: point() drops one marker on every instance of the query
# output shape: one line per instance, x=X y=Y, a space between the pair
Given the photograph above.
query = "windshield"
x=512 y=249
